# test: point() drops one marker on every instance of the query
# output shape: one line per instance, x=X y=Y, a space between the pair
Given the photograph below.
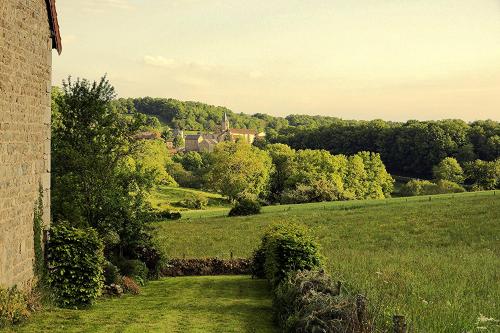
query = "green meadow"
x=435 y=260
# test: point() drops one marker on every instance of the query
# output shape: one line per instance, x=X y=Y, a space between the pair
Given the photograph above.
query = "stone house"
x=28 y=32
x=207 y=142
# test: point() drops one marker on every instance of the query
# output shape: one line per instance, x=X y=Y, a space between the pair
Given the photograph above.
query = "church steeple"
x=225 y=123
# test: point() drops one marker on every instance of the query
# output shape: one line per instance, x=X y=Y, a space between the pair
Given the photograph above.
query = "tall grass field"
x=435 y=260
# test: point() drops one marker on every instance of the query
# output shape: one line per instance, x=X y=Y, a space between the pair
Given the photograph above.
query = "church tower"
x=225 y=123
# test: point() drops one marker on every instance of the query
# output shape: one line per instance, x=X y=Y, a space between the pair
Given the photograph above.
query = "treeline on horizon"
x=408 y=148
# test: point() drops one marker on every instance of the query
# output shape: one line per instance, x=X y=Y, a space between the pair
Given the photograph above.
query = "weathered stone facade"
x=26 y=41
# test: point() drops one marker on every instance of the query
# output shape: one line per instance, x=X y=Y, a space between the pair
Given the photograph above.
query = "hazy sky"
x=355 y=59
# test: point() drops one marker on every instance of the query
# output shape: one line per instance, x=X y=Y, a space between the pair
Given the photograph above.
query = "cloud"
x=159 y=61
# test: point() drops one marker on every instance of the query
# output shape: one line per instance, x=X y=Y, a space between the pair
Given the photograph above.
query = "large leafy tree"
x=92 y=184
x=238 y=169
x=449 y=169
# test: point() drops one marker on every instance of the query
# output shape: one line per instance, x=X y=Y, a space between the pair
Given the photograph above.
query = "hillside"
x=436 y=261
x=170 y=198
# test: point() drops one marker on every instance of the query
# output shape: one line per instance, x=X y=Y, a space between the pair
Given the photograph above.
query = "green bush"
x=417 y=187
x=446 y=186
x=153 y=258
x=166 y=215
x=111 y=274
x=309 y=301
x=75 y=259
x=194 y=202
x=135 y=269
x=257 y=263
x=245 y=207
x=287 y=247
x=13 y=307
x=424 y=187
x=449 y=169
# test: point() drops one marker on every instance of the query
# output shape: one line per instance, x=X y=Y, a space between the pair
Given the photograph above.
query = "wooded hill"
x=409 y=148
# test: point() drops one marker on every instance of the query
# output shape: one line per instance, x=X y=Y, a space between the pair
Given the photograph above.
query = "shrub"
x=308 y=301
x=134 y=268
x=166 y=215
x=194 y=202
x=483 y=174
x=449 y=169
x=287 y=248
x=111 y=274
x=13 y=307
x=446 y=186
x=130 y=286
x=417 y=187
x=424 y=187
x=257 y=263
x=75 y=259
x=155 y=261
x=245 y=207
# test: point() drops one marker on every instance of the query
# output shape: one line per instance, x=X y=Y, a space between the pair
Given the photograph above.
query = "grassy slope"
x=189 y=304
x=166 y=197
x=437 y=261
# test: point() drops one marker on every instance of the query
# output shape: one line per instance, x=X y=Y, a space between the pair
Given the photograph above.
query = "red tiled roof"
x=54 y=25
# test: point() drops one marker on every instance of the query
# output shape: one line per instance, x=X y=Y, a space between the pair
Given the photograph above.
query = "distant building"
x=206 y=142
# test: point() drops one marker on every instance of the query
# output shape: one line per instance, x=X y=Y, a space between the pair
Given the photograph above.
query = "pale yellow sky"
x=363 y=59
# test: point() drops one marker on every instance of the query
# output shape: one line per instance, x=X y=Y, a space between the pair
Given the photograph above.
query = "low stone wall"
x=207 y=266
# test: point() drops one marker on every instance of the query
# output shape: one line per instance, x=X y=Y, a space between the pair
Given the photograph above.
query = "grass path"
x=185 y=304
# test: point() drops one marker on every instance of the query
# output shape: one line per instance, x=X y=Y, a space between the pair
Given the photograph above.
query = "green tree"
x=483 y=175
x=239 y=170
x=449 y=169
x=178 y=142
x=92 y=139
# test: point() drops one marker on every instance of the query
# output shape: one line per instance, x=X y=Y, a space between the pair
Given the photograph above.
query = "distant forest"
x=409 y=148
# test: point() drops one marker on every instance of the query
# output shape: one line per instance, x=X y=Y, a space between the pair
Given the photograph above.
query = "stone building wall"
x=25 y=83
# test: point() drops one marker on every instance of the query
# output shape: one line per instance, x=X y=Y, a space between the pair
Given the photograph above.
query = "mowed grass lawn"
x=183 y=304
x=436 y=262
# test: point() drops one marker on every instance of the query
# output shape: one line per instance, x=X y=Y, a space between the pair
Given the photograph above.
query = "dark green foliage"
x=483 y=175
x=166 y=215
x=111 y=274
x=13 y=307
x=287 y=248
x=258 y=263
x=309 y=301
x=244 y=207
x=411 y=148
x=424 y=187
x=134 y=268
x=75 y=262
x=153 y=259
